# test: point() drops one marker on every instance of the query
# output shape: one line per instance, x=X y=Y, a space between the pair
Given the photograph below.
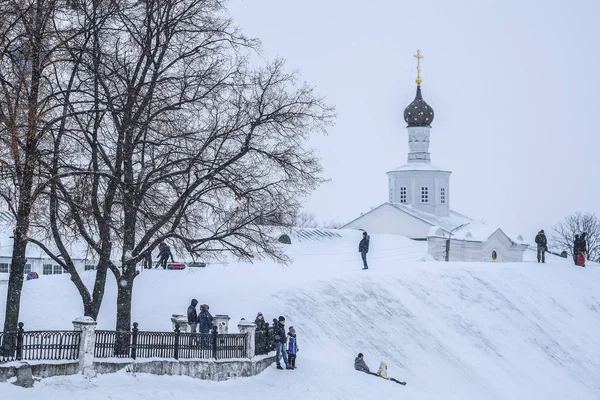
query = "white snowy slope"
x=452 y=330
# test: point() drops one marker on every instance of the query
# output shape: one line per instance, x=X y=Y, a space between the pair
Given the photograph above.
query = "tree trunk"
x=13 y=296
x=98 y=291
x=124 y=297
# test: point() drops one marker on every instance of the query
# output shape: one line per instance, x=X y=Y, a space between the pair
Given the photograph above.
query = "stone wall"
x=40 y=370
x=214 y=370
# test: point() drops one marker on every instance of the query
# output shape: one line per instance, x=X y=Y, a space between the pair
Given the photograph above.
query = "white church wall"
x=470 y=251
x=413 y=181
x=388 y=219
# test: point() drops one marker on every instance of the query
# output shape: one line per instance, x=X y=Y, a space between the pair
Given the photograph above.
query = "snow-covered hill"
x=452 y=330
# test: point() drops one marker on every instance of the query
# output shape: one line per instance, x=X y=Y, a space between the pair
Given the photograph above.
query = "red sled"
x=580 y=259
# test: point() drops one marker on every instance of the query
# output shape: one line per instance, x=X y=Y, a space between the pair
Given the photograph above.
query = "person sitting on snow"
x=360 y=364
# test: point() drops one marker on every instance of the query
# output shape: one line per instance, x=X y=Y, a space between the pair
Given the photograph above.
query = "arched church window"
x=494 y=255
x=424 y=194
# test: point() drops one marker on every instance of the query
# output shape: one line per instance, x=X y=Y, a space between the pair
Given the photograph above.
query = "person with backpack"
x=541 y=242
x=363 y=249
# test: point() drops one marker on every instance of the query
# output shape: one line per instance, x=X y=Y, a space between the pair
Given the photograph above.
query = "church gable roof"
x=446 y=223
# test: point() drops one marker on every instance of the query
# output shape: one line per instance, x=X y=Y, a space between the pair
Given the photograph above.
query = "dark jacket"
x=164 y=252
x=292 y=347
x=582 y=244
x=541 y=240
x=192 y=315
x=361 y=365
x=205 y=321
x=363 y=246
x=279 y=332
x=261 y=324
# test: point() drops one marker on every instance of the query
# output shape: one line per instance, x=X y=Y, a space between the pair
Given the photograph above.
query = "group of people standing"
x=580 y=249
x=286 y=345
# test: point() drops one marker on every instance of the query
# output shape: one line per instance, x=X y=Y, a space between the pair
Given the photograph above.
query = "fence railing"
x=264 y=341
x=177 y=345
x=39 y=345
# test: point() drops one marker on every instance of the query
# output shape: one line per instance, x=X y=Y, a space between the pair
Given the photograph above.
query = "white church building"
x=418 y=206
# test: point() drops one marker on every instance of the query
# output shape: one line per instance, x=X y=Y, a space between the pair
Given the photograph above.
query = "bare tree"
x=305 y=220
x=29 y=104
x=577 y=223
x=178 y=140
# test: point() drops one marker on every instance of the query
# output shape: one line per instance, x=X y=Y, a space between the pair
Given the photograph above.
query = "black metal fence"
x=39 y=345
x=264 y=341
x=177 y=345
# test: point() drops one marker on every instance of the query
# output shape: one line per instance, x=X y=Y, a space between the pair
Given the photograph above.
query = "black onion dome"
x=418 y=113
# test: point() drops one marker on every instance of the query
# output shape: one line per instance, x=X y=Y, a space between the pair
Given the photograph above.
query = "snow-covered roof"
x=448 y=223
x=418 y=166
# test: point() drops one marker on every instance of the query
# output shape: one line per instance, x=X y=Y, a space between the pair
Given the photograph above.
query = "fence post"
x=249 y=328
x=87 y=344
x=222 y=323
x=20 y=332
x=214 y=341
x=134 y=333
x=176 y=351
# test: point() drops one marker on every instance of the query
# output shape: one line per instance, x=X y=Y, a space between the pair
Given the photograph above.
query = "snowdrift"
x=452 y=330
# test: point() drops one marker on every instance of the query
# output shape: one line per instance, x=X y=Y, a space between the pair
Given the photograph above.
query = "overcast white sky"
x=515 y=86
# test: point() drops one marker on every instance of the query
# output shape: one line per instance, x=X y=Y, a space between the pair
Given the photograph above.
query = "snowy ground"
x=452 y=330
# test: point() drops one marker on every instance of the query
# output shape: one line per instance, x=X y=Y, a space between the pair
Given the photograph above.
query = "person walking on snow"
x=541 y=242
x=292 y=347
x=363 y=249
x=279 y=331
x=164 y=252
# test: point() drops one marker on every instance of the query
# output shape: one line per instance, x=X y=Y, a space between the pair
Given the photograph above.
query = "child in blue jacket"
x=292 y=347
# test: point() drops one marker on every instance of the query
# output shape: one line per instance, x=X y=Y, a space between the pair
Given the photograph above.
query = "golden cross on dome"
x=418 y=56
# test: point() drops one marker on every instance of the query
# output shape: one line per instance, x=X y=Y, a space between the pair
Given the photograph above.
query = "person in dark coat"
x=583 y=246
x=205 y=320
x=261 y=324
x=192 y=315
x=363 y=249
x=541 y=242
x=148 y=260
x=280 y=339
x=360 y=364
x=164 y=252
x=576 y=248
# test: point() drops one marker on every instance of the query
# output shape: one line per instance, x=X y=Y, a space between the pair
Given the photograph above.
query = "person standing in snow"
x=292 y=347
x=205 y=320
x=576 y=248
x=541 y=242
x=148 y=260
x=583 y=246
x=363 y=249
x=164 y=252
x=279 y=331
x=192 y=316
x=360 y=364
x=261 y=324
